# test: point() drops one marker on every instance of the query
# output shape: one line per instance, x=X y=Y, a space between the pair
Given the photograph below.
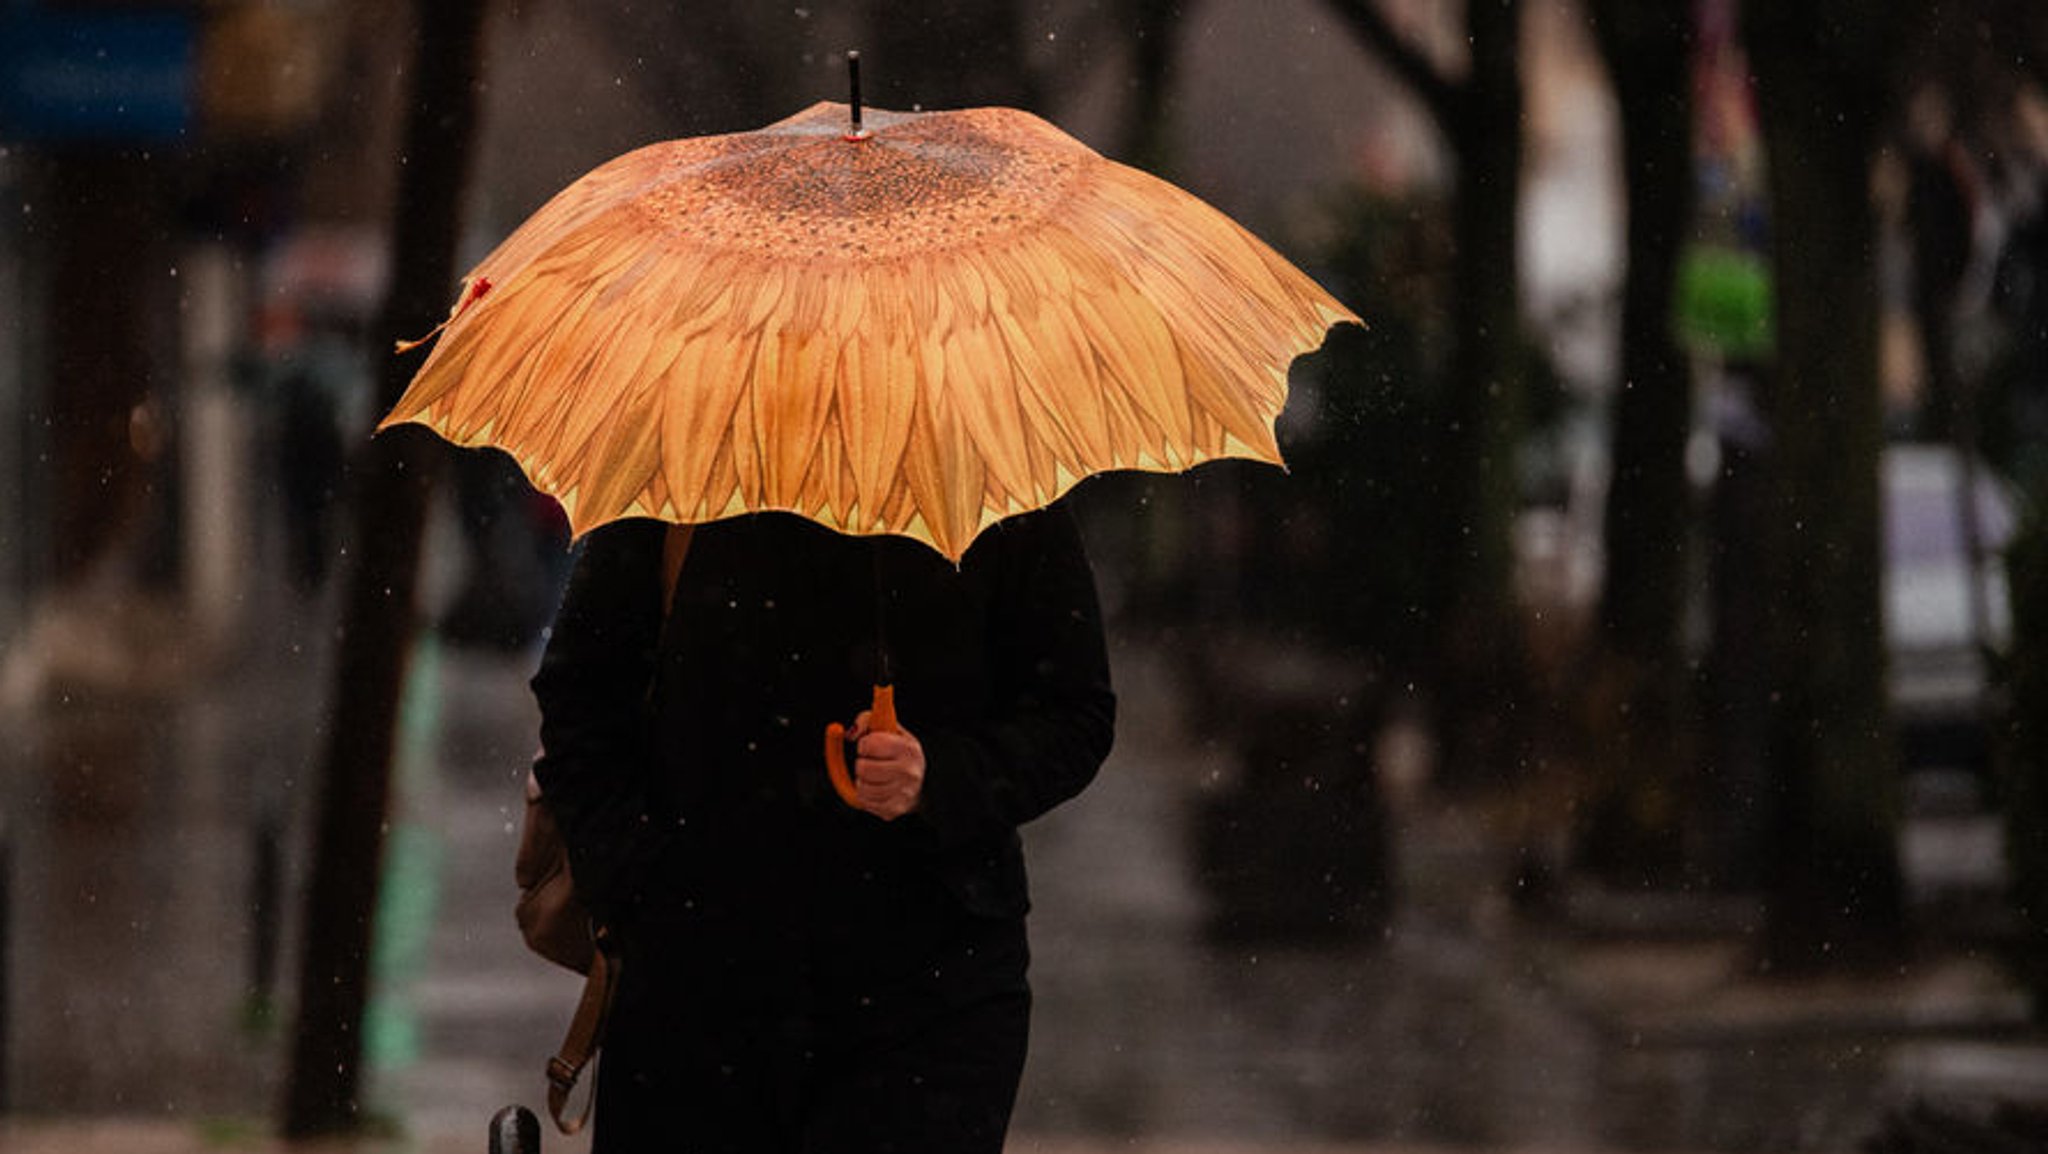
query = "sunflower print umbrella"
x=907 y=323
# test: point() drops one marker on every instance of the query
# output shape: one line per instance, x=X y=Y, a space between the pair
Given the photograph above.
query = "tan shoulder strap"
x=586 y=1033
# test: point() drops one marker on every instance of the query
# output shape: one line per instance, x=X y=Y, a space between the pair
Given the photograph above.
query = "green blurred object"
x=409 y=899
x=1724 y=302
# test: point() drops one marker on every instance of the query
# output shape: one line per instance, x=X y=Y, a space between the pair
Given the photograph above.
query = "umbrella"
x=918 y=329
x=892 y=323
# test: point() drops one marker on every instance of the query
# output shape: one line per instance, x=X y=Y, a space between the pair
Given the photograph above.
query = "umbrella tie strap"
x=472 y=292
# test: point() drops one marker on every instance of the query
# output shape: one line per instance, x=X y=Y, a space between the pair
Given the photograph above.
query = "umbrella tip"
x=856 y=132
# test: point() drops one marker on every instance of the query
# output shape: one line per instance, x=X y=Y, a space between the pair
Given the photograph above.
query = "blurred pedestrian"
x=800 y=974
x=514 y=539
x=310 y=457
x=1944 y=195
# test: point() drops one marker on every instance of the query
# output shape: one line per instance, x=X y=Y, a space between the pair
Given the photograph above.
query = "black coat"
x=708 y=818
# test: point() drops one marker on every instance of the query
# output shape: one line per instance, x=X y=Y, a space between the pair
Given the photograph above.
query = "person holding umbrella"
x=855 y=365
x=800 y=974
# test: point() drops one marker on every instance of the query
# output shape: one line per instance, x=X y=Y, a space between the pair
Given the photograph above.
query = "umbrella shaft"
x=883 y=674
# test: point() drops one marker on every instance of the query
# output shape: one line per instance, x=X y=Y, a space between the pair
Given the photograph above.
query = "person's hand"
x=888 y=768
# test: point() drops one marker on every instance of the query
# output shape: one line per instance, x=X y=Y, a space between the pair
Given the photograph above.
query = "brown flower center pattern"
x=917 y=184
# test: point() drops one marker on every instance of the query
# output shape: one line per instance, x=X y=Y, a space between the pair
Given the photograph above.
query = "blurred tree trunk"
x=1823 y=74
x=2026 y=783
x=948 y=56
x=1147 y=134
x=322 y=1092
x=1480 y=665
x=1632 y=829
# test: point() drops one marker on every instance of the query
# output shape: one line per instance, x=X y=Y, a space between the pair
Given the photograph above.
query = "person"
x=798 y=974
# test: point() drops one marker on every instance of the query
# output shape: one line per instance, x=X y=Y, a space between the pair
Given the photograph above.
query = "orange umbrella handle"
x=881 y=717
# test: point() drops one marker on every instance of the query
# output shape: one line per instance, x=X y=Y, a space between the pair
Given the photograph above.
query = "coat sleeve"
x=592 y=688
x=1054 y=712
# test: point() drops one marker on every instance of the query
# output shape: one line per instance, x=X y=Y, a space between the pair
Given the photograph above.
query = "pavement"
x=132 y=1137
x=149 y=954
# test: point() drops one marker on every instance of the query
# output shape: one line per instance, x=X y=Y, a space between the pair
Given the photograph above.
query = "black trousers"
x=788 y=1051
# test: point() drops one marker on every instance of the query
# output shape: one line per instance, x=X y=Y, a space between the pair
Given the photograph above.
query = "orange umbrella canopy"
x=920 y=328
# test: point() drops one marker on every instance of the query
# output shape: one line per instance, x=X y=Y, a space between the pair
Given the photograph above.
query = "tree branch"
x=1438 y=93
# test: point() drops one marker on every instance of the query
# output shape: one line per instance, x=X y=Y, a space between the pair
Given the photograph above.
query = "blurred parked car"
x=1946 y=606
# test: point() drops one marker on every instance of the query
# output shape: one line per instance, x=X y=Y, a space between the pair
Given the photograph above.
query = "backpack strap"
x=600 y=985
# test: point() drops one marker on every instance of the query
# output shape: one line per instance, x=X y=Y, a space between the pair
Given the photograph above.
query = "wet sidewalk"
x=149 y=958
x=174 y=1138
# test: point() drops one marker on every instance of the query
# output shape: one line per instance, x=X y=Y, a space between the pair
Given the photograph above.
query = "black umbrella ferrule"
x=856 y=132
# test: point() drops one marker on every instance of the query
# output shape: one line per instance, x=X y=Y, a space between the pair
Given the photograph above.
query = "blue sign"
x=116 y=77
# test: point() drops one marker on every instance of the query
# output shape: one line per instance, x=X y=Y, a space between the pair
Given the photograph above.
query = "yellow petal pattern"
x=918 y=333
